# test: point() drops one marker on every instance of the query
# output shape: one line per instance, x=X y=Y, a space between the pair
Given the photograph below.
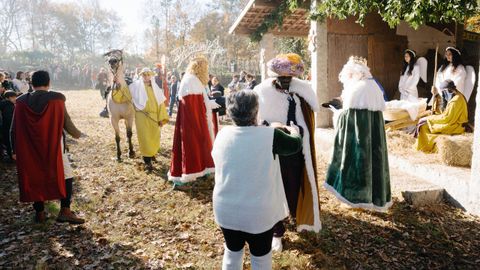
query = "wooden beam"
x=242 y=14
x=266 y=3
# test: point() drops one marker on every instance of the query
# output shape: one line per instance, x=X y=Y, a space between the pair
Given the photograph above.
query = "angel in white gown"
x=413 y=70
x=453 y=69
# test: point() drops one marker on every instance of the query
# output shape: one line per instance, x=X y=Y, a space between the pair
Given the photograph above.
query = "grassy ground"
x=136 y=221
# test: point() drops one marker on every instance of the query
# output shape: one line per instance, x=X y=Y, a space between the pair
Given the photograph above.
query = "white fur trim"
x=190 y=85
x=209 y=116
x=368 y=206
x=297 y=86
x=363 y=94
x=317 y=228
x=139 y=94
x=273 y=107
x=304 y=89
x=186 y=178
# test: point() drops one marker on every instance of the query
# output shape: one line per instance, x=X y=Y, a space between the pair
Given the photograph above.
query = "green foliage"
x=414 y=12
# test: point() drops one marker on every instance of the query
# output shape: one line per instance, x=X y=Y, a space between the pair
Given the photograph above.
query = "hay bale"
x=455 y=150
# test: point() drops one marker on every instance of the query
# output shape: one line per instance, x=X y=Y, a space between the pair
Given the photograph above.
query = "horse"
x=119 y=101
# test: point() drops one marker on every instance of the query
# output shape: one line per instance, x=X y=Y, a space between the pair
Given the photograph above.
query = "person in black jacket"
x=7 y=106
x=216 y=86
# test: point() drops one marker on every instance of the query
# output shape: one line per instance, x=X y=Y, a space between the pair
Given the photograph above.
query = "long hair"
x=199 y=67
x=410 y=65
x=456 y=60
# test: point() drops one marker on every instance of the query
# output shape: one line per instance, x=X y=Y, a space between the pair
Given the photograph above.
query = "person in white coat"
x=407 y=86
x=248 y=197
x=453 y=69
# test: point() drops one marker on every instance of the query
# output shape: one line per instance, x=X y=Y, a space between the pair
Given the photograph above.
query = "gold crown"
x=358 y=60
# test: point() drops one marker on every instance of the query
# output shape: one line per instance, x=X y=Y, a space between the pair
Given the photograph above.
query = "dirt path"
x=135 y=220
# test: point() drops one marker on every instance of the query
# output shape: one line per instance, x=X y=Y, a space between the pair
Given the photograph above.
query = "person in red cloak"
x=44 y=172
x=194 y=127
x=162 y=81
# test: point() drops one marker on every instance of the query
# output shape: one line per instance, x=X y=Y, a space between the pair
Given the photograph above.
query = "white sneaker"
x=277 y=244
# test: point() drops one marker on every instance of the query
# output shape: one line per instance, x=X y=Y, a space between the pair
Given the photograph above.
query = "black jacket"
x=6 y=109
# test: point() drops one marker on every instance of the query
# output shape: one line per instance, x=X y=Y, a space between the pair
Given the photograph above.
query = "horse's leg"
x=129 y=124
x=115 y=125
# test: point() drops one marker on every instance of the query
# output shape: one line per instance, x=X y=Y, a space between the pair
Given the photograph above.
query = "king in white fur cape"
x=274 y=107
x=359 y=173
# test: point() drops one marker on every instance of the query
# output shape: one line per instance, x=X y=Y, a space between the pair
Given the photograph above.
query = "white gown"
x=408 y=85
x=458 y=76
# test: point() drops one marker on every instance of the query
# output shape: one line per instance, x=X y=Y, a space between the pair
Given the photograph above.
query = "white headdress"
x=453 y=49
x=412 y=51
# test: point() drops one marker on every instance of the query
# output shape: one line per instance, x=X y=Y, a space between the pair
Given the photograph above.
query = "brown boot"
x=40 y=217
x=66 y=215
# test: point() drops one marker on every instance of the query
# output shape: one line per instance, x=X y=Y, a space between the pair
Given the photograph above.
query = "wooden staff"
x=437 y=98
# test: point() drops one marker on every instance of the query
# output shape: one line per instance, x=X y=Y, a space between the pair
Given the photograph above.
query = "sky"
x=129 y=11
x=133 y=17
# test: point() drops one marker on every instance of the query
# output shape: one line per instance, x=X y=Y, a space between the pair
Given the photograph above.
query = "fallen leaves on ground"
x=136 y=221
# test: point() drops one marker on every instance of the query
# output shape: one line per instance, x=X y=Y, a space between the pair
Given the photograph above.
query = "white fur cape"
x=191 y=85
x=139 y=94
x=363 y=94
x=273 y=107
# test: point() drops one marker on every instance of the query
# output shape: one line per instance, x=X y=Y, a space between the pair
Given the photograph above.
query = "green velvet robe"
x=359 y=174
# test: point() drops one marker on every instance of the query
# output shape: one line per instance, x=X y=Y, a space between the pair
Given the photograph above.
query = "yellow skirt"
x=148 y=130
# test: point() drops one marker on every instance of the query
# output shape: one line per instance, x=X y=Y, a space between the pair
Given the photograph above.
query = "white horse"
x=119 y=101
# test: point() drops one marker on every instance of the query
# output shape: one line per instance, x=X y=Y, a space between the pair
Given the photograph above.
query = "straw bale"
x=455 y=150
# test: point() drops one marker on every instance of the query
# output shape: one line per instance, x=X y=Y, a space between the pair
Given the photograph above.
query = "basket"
x=393 y=114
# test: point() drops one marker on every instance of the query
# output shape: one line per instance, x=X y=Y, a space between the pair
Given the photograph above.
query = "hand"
x=214 y=105
x=277 y=125
x=14 y=157
x=434 y=90
x=293 y=129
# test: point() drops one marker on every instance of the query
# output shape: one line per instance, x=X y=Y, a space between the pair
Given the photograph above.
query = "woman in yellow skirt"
x=150 y=115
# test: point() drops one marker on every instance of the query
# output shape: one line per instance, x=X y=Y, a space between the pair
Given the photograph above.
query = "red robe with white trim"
x=39 y=152
x=193 y=137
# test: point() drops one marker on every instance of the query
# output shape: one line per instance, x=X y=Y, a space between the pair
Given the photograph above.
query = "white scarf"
x=139 y=93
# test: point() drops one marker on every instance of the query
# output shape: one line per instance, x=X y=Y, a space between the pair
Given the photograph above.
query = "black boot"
x=148 y=164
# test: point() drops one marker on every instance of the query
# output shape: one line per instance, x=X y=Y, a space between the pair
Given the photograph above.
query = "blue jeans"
x=173 y=100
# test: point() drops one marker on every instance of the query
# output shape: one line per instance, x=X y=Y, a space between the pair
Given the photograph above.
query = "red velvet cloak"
x=39 y=152
x=192 y=144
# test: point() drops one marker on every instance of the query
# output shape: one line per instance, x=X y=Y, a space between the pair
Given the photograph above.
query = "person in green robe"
x=358 y=174
x=451 y=121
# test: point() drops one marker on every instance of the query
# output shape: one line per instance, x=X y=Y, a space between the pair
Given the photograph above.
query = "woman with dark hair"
x=453 y=69
x=248 y=197
x=407 y=86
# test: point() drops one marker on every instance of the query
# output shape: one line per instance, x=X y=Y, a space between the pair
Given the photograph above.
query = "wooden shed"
x=334 y=41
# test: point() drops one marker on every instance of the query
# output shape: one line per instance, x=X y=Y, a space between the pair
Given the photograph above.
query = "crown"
x=358 y=60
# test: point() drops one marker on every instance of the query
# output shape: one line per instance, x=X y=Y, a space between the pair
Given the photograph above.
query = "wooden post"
x=319 y=49
x=267 y=52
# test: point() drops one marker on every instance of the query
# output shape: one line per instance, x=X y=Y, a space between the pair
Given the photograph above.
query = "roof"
x=254 y=13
